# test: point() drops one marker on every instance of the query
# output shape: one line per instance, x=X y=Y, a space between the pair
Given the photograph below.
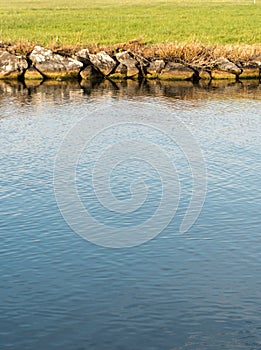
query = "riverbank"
x=131 y=60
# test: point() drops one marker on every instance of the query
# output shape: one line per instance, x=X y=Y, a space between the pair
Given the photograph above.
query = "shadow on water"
x=34 y=92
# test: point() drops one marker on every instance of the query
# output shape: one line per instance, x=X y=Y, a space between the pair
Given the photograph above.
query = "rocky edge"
x=48 y=64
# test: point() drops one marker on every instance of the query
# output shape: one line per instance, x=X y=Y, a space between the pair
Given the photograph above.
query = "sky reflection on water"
x=200 y=290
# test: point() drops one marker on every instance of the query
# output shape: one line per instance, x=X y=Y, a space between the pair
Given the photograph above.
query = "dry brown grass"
x=21 y=48
x=194 y=51
x=237 y=52
x=188 y=52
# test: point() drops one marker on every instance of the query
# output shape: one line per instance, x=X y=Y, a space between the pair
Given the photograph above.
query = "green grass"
x=113 y=21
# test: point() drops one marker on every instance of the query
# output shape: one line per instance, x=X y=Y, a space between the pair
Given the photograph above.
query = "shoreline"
x=133 y=60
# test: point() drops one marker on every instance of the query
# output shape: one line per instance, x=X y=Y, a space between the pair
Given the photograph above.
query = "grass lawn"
x=113 y=21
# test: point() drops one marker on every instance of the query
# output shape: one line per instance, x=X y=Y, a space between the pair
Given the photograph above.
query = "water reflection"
x=184 y=292
x=34 y=92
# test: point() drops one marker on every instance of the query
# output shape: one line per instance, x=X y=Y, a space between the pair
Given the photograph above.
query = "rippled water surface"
x=199 y=290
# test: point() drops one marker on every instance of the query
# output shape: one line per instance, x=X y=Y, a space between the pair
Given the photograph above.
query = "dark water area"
x=197 y=290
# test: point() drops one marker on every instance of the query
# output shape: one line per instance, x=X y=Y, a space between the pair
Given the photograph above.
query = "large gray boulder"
x=256 y=60
x=224 y=65
x=103 y=62
x=253 y=62
x=12 y=65
x=176 y=70
x=90 y=73
x=49 y=63
x=156 y=66
x=128 y=60
x=143 y=64
x=97 y=65
x=83 y=56
x=122 y=70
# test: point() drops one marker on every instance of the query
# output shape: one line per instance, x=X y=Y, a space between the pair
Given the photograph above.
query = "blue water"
x=200 y=290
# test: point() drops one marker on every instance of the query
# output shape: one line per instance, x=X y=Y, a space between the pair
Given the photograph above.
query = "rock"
x=48 y=62
x=250 y=65
x=253 y=62
x=175 y=66
x=96 y=65
x=156 y=67
x=224 y=65
x=32 y=74
x=143 y=64
x=122 y=69
x=11 y=64
x=127 y=59
x=83 y=56
x=83 y=53
x=103 y=62
x=256 y=60
x=90 y=73
x=174 y=70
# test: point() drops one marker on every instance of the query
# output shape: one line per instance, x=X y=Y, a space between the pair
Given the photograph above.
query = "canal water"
x=130 y=216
